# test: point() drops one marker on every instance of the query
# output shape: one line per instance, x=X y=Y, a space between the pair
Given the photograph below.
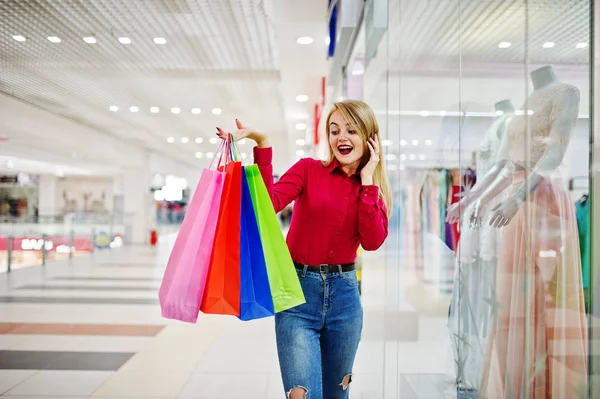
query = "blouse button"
x=331 y=252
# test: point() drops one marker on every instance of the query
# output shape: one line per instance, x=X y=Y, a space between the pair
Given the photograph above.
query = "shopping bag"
x=286 y=291
x=222 y=293
x=255 y=292
x=183 y=284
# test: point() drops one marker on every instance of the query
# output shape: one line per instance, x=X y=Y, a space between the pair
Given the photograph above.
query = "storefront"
x=490 y=101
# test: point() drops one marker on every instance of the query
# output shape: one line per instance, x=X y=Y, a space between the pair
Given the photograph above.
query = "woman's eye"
x=334 y=132
x=352 y=131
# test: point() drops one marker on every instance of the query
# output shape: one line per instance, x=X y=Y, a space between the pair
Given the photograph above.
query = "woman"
x=339 y=205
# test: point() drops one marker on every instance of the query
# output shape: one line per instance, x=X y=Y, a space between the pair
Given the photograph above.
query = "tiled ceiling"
x=218 y=54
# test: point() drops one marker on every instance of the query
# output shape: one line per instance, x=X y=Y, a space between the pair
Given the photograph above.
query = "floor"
x=92 y=329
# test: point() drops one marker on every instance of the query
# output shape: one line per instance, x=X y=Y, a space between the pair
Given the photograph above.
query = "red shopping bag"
x=222 y=291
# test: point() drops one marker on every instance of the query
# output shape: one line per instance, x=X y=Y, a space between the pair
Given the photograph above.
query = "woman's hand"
x=366 y=174
x=242 y=132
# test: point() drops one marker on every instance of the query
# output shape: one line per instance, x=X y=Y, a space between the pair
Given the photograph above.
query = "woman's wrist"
x=263 y=143
x=366 y=180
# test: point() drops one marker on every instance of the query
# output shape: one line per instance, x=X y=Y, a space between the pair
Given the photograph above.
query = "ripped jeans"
x=317 y=341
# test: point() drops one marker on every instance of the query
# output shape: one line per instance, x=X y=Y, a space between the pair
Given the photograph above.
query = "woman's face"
x=347 y=144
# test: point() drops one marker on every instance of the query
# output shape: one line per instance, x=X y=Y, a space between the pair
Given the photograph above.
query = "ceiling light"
x=415 y=142
x=422 y=157
x=217 y=111
x=428 y=142
x=300 y=142
x=90 y=40
x=170 y=140
x=124 y=40
x=196 y=111
x=304 y=40
x=210 y=155
x=403 y=157
x=19 y=38
x=213 y=140
x=133 y=108
x=548 y=45
x=391 y=157
x=242 y=142
x=424 y=113
x=505 y=44
x=358 y=71
x=403 y=143
x=160 y=40
x=9 y=164
x=113 y=108
x=176 y=110
x=499 y=112
x=443 y=113
x=392 y=167
x=155 y=110
x=54 y=39
x=300 y=153
x=386 y=143
x=412 y=157
x=185 y=140
x=301 y=126
x=402 y=167
x=199 y=155
x=199 y=140
x=579 y=45
x=244 y=155
x=302 y=98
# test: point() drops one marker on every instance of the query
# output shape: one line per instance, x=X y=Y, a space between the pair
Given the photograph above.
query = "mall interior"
x=485 y=286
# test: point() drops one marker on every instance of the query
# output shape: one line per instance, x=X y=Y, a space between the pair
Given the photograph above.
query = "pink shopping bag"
x=185 y=277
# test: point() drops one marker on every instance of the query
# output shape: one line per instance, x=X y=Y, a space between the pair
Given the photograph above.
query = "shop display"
x=230 y=257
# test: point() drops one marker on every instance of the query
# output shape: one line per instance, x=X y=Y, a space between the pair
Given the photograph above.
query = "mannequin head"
x=505 y=106
x=543 y=76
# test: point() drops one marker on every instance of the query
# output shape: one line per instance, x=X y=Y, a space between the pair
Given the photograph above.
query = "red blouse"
x=333 y=212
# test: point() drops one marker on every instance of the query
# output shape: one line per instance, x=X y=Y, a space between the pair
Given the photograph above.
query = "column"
x=48 y=204
x=138 y=205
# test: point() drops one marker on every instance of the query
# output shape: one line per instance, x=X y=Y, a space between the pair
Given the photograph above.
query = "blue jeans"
x=317 y=341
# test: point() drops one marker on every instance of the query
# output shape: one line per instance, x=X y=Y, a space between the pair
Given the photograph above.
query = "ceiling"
x=239 y=56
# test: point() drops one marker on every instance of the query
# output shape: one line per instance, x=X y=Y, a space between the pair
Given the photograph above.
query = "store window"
x=485 y=115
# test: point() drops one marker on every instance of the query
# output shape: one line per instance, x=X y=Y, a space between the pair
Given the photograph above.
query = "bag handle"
x=220 y=151
x=236 y=152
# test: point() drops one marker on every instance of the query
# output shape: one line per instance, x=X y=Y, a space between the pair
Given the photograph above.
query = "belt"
x=326 y=269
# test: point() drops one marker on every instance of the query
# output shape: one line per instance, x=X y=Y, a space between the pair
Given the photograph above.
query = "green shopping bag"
x=285 y=286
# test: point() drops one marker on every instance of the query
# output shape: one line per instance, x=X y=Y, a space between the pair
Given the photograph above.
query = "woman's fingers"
x=221 y=133
x=239 y=124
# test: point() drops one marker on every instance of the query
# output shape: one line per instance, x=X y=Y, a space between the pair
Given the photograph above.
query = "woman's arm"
x=372 y=218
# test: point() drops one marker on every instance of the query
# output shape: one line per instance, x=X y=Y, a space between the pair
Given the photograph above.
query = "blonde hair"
x=362 y=119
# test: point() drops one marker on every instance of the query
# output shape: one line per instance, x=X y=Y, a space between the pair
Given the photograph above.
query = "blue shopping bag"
x=255 y=291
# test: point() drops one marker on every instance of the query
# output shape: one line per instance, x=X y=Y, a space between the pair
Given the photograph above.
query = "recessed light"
x=155 y=110
x=424 y=113
x=217 y=111
x=19 y=38
x=386 y=143
x=402 y=167
x=300 y=126
x=210 y=155
x=196 y=111
x=242 y=142
x=300 y=153
x=403 y=157
x=304 y=40
x=391 y=157
x=548 y=45
x=213 y=140
x=170 y=140
x=176 y=110
x=113 y=108
x=90 y=40
x=244 y=155
x=422 y=157
x=428 y=142
x=505 y=44
x=160 y=40
x=124 y=40
x=579 y=45
x=300 y=142
x=403 y=143
x=392 y=167
x=412 y=157
x=199 y=140
x=302 y=98
x=415 y=142
x=54 y=39
x=133 y=108
x=199 y=155
x=185 y=140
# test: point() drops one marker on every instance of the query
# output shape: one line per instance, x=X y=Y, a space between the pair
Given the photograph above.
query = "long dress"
x=537 y=346
x=474 y=276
